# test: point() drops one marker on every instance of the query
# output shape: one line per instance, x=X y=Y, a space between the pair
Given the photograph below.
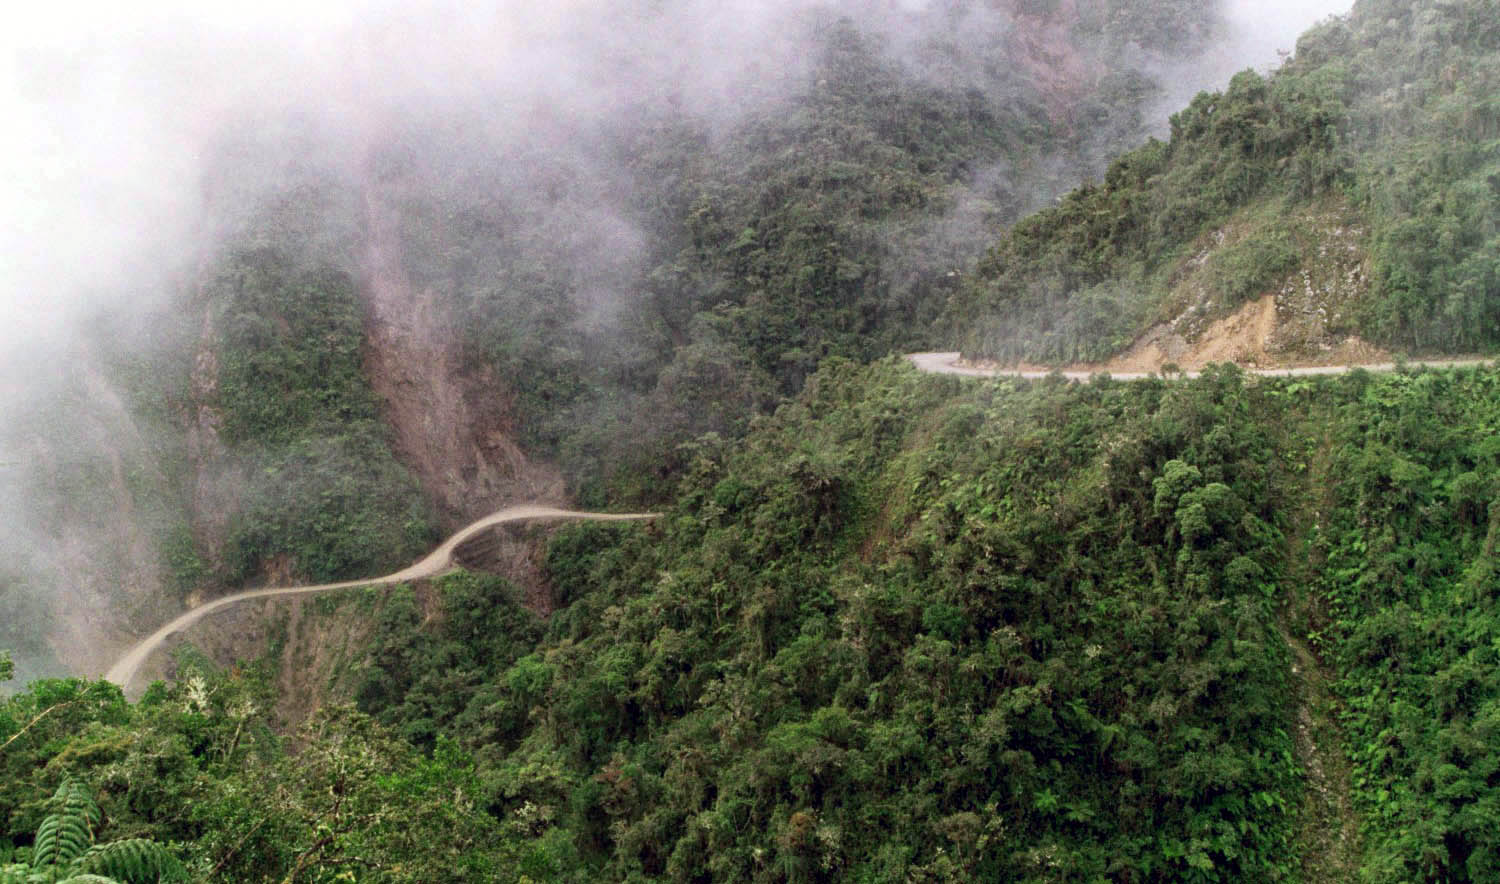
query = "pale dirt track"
x=952 y=363
x=439 y=561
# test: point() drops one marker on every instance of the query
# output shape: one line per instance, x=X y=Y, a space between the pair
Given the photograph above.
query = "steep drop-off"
x=87 y=566
x=452 y=423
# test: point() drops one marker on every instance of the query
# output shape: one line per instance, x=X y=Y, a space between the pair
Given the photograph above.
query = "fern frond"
x=69 y=830
x=131 y=861
x=17 y=874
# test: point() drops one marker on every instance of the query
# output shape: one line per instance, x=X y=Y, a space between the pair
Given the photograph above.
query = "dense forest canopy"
x=889 y=625
x=911 y=627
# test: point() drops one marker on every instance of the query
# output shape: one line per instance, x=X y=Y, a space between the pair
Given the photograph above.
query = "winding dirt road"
x=439 y=561
x=952 y=363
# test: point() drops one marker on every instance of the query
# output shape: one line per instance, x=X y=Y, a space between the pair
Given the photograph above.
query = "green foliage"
x=1391 y=106
x=420 y=682
x=186 y=567
x=1249 y=268
x=1407 y=552
x=131 y=861
x=576 y=549
x=900 y=627
x=64 y=849
x=906 y=628
x=196 y=764
x=1423 y=79
x=69 y=830
x=910 y=627
x=339 y=504
x=321 y=484
x=353 y=797
x=1007 y=631
x=290 y=354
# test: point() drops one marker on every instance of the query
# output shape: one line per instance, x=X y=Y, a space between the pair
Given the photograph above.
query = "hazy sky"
x=1264 y=26
x=107 y=103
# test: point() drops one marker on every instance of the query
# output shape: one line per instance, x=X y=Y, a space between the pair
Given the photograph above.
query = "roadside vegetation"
x=911 y=627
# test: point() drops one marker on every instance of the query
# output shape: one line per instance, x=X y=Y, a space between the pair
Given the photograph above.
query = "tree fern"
x=65 y=852
x=131 y=861
x=69 y=830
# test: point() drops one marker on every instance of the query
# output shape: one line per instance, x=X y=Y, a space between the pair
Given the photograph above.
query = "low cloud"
x=116 y=110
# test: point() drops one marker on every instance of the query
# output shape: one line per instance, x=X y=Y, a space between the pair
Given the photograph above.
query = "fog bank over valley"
x=110 y=107
x=146 y=140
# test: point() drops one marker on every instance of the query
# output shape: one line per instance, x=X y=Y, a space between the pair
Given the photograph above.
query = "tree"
x=64 y=851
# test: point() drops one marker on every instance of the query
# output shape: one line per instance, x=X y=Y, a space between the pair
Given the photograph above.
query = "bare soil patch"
x=452 y=424
x=1248 y=337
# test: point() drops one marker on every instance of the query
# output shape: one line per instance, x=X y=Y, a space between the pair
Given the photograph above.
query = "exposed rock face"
x=214 y=482
x=451 y=424
x=1042 y=43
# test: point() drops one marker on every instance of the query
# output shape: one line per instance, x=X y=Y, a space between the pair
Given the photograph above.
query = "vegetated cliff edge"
x=1102 y=612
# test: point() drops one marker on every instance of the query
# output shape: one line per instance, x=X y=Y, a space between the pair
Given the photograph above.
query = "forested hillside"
x=627 y=281
x=889 y=626
x=389 y=329
x=1381 y=137
x=913 y=627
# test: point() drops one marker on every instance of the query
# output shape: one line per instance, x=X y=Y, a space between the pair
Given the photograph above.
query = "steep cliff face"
x=1043 y=43
x=125 y=538
x=1077 y=52
x=214 y=485
x=452 y=423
